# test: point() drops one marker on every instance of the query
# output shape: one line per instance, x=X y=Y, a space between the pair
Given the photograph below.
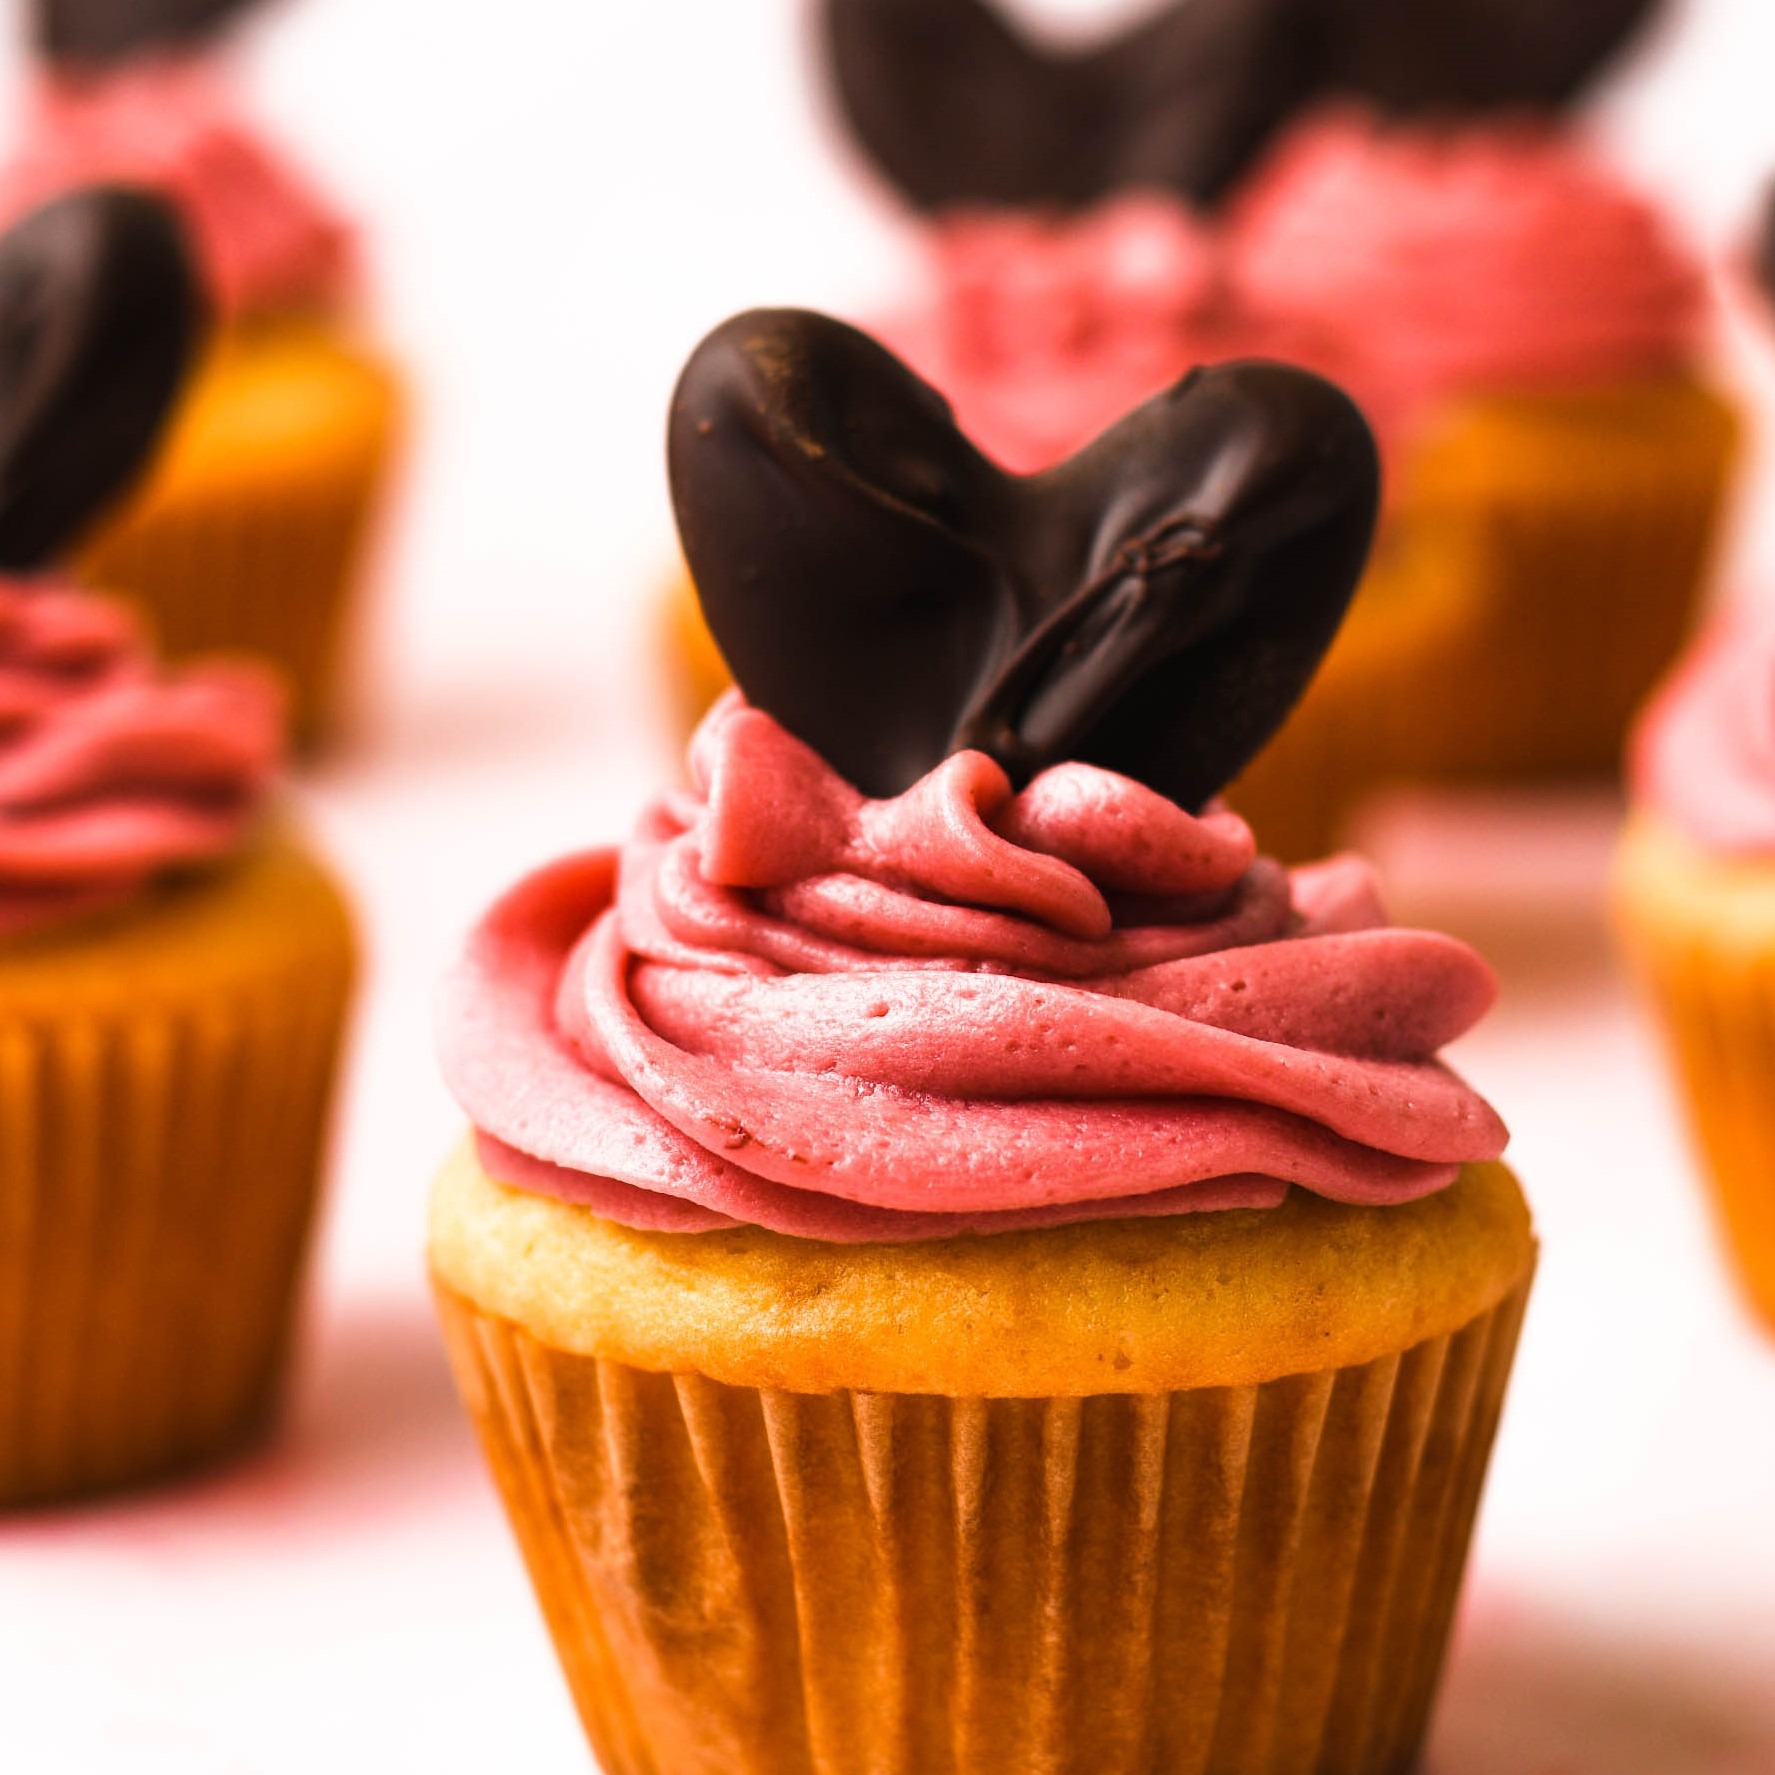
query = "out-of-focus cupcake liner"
x=1537 y=573
x=160 y=1157
x=1589 y=520
x=251 y=538
x=1255 y=1579
x=1358 y=728
x=1716 y=1001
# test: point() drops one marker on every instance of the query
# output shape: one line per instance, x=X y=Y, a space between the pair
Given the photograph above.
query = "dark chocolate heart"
x=1413 y=56
x=101 y=312
x=957 y=107
x=1156 y=604
x=108 y=33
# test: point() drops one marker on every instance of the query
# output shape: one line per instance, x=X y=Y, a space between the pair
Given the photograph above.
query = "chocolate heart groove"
x=958 y=107
x=101 y=313
x=96 y=34
x=1156 y=605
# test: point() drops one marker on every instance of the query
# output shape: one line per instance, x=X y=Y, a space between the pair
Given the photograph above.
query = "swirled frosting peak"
x=1703 y=756
x=268 y=242
x=962 y=1009
x=114 y=774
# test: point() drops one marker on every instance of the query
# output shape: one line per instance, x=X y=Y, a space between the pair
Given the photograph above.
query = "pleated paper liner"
x=165 y=1081
x=1251 y=1579
x=1701 y=932
x=253 y=530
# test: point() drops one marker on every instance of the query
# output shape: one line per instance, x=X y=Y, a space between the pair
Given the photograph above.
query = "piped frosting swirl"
x=960 y=1010
x=114 y=774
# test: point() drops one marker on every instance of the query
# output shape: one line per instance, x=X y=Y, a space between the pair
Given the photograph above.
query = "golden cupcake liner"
x=744 y=1582
x=1360 y=727
x=1716 y=1000
x=252 y=530
x=162 y=1120
x=1585 y=523
x=1538 y=572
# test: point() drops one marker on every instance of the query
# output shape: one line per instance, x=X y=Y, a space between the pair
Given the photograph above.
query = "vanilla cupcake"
x=961 y=1265
x=174 y=965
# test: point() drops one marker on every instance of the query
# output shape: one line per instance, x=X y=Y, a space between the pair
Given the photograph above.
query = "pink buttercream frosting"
x=114 y=773
x=1411 y=264
x=1703 y=755
x=267 y=240
x=1459 y=259
x=961 y=1010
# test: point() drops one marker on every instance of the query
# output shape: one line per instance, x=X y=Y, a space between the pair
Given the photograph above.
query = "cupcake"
x=174 y=966
x=961 y=1264
x=1522 y=329
x=251 y=532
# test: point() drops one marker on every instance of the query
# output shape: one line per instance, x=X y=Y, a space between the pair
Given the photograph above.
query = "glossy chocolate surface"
x=1156 y=604
x=101 y=313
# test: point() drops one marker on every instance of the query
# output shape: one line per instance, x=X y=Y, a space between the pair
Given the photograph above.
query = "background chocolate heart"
x=957 y=106
x=1156 y=604
x=105 y=33
x=1412 y=56
x=101 y=313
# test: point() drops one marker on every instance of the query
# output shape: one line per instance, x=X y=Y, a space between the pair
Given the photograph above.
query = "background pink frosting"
x=1412 y=264
x=267 y=241
x=114 y=774
x=1454 y=259
x=960 y=1010
x=1703 y=755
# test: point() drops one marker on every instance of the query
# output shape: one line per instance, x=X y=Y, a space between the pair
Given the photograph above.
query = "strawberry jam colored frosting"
x=961 y=1010
x=1460 y=259
x=268 y=243
x=113 y=773
x=1703 y=756
x=1412 y=264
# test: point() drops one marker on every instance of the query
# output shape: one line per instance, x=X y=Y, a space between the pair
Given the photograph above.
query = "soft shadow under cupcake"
x=1533 y=1692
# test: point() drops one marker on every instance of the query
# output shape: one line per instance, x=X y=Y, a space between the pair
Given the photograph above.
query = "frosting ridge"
x=963 y=1009
x=268 y=241
x=113 y=774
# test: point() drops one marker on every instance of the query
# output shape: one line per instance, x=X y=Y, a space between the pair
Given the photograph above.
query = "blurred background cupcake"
x=174 y=965
x=253 y=529
x=1695 y=892
x=1426 y=224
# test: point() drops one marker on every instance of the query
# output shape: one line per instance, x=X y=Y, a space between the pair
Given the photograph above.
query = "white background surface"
x=563 y=194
